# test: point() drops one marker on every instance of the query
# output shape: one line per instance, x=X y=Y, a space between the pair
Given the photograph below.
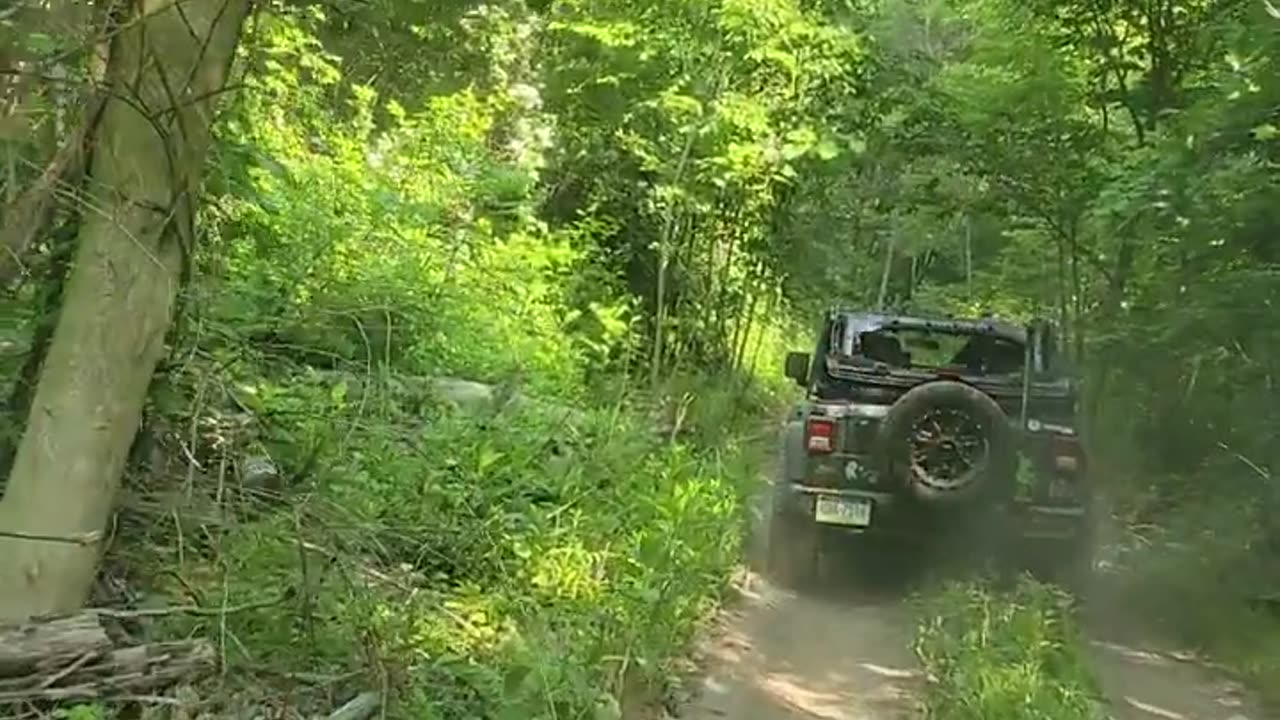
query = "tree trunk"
x=1064 y=317
x=884 y=275
x=664 y=254
x=968 y=257
x=1077 y=297
x=742 y=328
x=168 y=66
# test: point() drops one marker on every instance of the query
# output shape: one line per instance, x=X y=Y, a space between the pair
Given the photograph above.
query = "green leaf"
x=791 y=151
x=41 y=43
x=487 y=458
x=338 y=393
x=617 y=34
x=1265 y=132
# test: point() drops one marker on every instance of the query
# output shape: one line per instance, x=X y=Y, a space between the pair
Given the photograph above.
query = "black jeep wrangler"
x=931 y=430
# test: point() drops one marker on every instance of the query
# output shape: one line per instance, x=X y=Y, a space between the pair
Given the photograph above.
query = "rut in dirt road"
x=1142 y=682
x=846 y=655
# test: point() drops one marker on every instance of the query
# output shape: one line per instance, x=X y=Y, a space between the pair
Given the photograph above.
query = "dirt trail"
x=781 y=655
x=1146 y=684
x=845 y=654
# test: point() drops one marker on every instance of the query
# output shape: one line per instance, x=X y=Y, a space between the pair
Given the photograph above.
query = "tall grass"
x=1003 y=655
x=506 y=563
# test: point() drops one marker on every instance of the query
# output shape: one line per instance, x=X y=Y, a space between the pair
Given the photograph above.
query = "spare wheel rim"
x=945 y=445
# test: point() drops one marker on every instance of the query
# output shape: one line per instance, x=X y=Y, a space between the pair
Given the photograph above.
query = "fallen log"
x=72 y=658
x=33 y=646
x=466 y=395
x=359 y=707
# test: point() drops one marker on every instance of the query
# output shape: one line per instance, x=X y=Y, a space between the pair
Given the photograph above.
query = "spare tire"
x=945 y=441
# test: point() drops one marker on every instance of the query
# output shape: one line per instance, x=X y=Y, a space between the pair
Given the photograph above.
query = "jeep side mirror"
x=798 y=367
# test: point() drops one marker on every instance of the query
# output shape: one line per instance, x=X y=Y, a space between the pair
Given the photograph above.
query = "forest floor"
x=845 y=653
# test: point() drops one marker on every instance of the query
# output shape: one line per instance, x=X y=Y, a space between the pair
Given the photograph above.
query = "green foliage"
x=557 y=195
x=995 y=655
x=520 y=564
x=82 y=712
x=687 y=123
x=411 y=242
x=507 y=560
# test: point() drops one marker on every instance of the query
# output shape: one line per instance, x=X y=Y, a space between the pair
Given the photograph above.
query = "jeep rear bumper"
x=889 y=515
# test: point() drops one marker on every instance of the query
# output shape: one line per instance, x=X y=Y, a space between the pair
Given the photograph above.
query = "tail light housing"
x=1066 y=454
x=820 y=435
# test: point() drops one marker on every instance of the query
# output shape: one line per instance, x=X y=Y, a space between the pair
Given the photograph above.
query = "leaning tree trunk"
x=168 y=65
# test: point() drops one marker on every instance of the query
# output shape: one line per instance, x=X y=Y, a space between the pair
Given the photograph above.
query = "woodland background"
x=633 y=210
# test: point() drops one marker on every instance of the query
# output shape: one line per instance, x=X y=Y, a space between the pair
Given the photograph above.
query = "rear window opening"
x=917 y=348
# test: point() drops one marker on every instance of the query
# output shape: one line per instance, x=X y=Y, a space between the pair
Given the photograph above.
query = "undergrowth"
x=474 y=559
x=993 y=655
x=339 y=526
x=1204 y=576
x=475 y=562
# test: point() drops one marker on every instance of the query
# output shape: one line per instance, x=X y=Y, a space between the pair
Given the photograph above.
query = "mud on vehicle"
x=931 y=431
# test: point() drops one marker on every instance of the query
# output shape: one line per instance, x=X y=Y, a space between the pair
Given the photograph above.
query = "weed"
x=995 y=656
x=517 y=563
x=82 y=712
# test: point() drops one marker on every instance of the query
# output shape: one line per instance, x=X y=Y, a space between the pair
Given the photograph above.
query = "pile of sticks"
x=72 y=658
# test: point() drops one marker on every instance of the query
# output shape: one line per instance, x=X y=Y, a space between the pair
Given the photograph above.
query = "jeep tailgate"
x=836 y=440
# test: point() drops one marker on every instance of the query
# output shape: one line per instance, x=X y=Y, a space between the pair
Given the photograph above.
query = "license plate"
x=842 y=511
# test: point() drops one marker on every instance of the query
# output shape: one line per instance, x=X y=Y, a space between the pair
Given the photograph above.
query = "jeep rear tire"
x=1075 y=574
x=1074 y=568
x=917 y=431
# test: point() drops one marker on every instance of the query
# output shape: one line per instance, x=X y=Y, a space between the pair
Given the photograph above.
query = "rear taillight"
x=820 y=435
x=1066 y=454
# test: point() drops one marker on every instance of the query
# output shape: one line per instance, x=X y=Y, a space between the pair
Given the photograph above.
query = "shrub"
x=508 y=559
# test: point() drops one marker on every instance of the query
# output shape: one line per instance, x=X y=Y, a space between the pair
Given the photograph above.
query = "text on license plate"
x=842 y=511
